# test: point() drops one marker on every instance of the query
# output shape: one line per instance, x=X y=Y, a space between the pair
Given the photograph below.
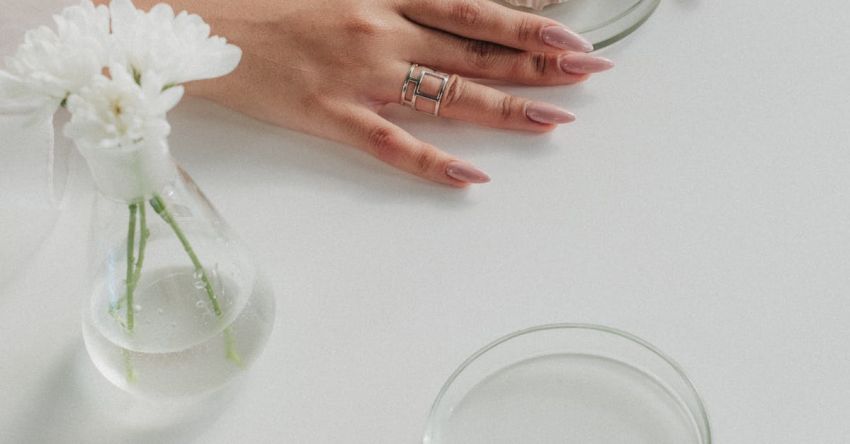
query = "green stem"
x=230 y=347
x=128 y=366
x=137 y=273
x=131 y=239
x=144 y=233
x=161 y=209
x=133 y=275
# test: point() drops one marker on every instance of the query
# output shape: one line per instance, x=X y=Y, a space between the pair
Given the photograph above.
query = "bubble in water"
x=215 y=277
x=160 y=310
x=199 y=304
x=199 y=284
x=137 y=308
x=168 y=190
x=198 y=274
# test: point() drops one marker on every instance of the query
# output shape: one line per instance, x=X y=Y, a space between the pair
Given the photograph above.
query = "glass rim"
x=642 y=10
x=608 y=31
x=701 y=410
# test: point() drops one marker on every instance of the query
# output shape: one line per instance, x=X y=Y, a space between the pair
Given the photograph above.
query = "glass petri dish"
x=602 y=22
x=568 y=383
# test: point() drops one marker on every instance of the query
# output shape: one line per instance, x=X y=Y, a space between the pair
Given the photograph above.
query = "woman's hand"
x=325 y=67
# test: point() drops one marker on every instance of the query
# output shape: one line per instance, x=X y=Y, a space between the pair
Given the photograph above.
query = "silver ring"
x=412 y=87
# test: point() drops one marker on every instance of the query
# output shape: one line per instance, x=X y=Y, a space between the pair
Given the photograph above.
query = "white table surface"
x=700 y=201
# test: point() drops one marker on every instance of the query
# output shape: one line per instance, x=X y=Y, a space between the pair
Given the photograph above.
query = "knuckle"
x=539 y=63
x=483 y=54
x=383 y=144
x=467 y=13
x=426 y=160
x=454 y=91
x=524 y=29
x=362 y=25
x=509 y=107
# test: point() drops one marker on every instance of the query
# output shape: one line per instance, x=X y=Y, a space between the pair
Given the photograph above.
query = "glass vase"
x=176 y=306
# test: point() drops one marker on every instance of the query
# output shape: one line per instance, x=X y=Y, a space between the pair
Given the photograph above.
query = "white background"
x=700 y=202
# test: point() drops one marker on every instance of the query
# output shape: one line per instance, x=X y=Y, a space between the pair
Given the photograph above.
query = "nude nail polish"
x=466 y=173
x=584 y=63
x=548 y=114
x=563 y=38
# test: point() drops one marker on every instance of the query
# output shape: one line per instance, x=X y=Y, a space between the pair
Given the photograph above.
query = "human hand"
x=325 y=67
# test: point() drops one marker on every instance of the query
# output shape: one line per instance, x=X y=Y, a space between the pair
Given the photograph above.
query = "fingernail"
x=584 y=63
x=465 y=172
x=563 y=38
x=546 y=113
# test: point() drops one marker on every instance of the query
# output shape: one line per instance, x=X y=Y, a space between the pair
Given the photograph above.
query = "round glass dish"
x=568 y=383
x=603 y=22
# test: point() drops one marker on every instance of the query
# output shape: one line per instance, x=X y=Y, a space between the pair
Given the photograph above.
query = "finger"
x=480 y=59
x=387 y=142
x=488 y=21
x=466 y=100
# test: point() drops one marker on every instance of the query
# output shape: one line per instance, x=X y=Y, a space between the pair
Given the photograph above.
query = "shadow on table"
x=76 y=404
x=208 y=136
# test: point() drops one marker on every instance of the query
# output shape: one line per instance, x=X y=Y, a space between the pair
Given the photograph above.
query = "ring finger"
x=463 y=99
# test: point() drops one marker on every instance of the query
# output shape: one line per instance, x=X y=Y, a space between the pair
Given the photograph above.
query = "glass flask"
x=176 y=307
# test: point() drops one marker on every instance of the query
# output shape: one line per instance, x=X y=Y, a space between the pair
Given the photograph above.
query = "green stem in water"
x=144 y=234
x=230 y=347
x=131 y=239
x=128 y=365
x=161 y=209
x=133 y=273
x=137 y=273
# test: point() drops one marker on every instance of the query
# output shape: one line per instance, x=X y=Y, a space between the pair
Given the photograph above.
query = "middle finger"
x=480 y=59
x=486 y=20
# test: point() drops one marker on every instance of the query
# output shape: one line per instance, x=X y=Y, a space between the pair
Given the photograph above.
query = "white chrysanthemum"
x=178 y=48
x=117 y=112
x=50 y=64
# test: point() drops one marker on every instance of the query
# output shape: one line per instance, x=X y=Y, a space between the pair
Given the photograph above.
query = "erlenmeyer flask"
x=176 y=306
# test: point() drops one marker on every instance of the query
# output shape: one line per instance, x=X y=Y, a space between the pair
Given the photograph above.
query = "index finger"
x=488 y=21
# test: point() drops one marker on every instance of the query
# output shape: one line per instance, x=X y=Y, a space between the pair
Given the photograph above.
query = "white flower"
x=178 y=48
x=50 y=64
x=117 y=112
